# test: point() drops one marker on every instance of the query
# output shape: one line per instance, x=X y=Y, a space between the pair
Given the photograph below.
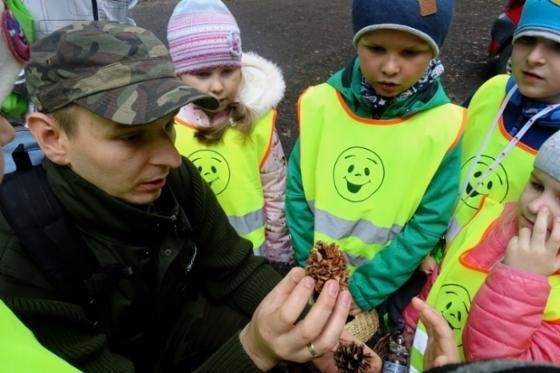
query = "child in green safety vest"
x=509 y=117
x=498 y=285
x=235 y=147
x=376 y=166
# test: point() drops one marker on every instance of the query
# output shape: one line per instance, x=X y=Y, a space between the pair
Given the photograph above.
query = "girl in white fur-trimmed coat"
x=235 y=147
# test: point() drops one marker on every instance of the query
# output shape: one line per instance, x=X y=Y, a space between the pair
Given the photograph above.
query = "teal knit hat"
x=540 y=18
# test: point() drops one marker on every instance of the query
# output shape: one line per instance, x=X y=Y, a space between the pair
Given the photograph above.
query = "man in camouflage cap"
x=159 y=279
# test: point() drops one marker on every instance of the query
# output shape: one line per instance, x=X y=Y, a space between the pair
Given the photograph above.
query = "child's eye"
x=376 y=49
x=227 y=71
x=411 y=53
x=202 y=74
x=537 y=186
x=526 y=40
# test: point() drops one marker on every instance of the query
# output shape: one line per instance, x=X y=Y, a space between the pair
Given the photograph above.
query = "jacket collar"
x=94 y=210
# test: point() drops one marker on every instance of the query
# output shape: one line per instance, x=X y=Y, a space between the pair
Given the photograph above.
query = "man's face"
x=6 y=134
x=127 y=162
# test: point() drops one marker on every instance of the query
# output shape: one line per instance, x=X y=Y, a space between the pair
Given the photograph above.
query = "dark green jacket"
x=373 y=282
x=158 y=245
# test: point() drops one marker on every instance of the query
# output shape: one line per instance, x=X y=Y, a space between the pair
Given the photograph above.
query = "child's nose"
x=216 y=86
x=542 y=201
x=536 y=55
x=390 y=66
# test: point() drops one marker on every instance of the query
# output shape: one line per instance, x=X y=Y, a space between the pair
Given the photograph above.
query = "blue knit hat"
x=427 y=19
x=540 y=18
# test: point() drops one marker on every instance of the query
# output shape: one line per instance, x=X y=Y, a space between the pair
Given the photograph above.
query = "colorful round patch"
x=213 y=167
x=358 y=173
x=13 y=33
x=496 y=186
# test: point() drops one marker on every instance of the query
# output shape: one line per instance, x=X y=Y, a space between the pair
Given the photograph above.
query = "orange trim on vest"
x=265 y=155
x=380 y=122
x=520 y=145
x=461 y=130
x=186 y=124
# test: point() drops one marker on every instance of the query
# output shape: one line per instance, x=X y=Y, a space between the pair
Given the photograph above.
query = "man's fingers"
x=333 y=330
x=293 y=295
x=326 y=319
x=284 y=288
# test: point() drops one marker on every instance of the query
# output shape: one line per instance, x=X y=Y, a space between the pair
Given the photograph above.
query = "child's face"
x=221 y=83
x=392 y=61
x=541 y=191
x=535 y=64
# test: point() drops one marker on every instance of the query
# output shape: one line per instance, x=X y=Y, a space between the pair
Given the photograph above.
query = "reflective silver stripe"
x=247 y=223
x=356 y=260
x=452 y=229
x=259 y=250
x=366 y=231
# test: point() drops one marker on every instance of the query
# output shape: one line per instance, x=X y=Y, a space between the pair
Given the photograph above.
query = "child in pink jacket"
x=498 y=285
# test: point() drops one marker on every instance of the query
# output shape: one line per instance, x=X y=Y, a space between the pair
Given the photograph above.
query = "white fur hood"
x=263 y=84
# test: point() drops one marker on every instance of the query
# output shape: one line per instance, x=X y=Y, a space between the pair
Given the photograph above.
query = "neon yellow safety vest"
x=21 y=352
x=365 y=178
x=232 y=169
x=459 y=281
x=507 y=181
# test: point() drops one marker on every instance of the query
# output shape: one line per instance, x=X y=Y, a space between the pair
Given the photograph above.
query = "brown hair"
x=241 y=117
x=64 y=117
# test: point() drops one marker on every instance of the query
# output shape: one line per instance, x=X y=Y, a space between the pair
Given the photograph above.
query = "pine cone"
x=350 y=357
x=326 y=262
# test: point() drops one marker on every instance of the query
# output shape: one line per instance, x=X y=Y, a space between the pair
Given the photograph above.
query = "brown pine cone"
x=351 y=357
x=325 y=262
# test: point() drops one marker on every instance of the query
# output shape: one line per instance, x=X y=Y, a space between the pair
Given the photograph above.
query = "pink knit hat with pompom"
x=203 y=35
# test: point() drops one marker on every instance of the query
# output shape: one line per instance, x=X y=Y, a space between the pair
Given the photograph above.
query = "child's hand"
x=442 y=347
x=537 y=250
x=428 y=265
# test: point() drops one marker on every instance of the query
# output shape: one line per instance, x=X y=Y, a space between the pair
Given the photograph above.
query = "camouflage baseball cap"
x=120 y=72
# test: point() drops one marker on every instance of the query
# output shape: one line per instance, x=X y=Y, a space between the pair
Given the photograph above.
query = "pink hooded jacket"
x=506 y=317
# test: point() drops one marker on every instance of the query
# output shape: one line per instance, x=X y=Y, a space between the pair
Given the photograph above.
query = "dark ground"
x=311 y=39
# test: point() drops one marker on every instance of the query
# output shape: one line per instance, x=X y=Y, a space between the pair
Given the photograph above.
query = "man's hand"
x=536 y=250
x=274 y=333
x=442 y=347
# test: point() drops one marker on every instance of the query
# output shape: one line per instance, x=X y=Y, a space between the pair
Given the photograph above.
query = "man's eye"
x=131 y=137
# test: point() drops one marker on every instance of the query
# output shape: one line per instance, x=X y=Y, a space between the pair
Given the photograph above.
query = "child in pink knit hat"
x=235 y=147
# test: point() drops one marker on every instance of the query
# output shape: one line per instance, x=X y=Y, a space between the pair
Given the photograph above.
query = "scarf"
x=378 y=103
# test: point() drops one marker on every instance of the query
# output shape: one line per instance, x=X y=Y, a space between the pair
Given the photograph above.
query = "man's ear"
x=50 y=137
